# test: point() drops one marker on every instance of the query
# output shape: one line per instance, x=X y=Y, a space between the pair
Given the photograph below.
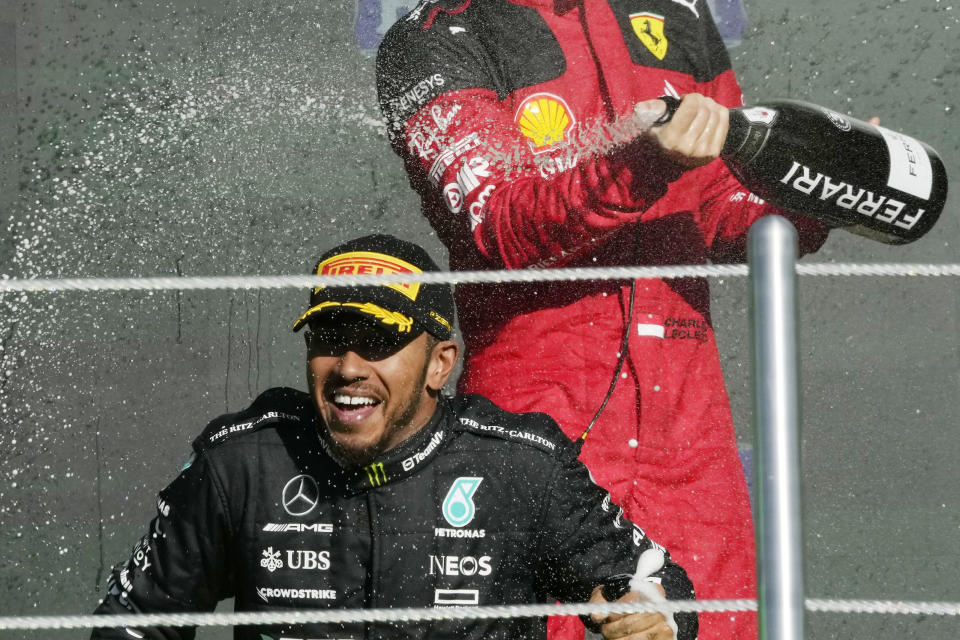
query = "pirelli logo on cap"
x=369 y=262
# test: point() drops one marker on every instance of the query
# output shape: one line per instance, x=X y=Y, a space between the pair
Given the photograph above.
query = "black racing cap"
x=407 y=308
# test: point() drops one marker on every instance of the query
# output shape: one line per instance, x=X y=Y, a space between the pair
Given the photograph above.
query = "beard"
x=401 y=419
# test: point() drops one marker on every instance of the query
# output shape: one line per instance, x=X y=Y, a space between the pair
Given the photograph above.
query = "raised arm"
x=488 y=185
x=495 y=185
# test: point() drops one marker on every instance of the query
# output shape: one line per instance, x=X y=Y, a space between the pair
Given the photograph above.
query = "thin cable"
x=621 y=357
x=456 y=277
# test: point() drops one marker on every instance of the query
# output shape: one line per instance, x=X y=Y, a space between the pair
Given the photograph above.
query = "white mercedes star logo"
x=300 y=495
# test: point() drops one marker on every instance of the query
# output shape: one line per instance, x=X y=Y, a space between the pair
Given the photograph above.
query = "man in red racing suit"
x=494 y=106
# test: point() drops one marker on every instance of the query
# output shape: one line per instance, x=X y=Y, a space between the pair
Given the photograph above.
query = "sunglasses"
x=364 y=338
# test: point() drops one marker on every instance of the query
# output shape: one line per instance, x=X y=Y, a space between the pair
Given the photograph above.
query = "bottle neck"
x=744 y=140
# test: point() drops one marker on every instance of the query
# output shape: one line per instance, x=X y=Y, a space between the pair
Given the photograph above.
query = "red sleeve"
x=488 y=192
x=518 y=208
x=521 y=208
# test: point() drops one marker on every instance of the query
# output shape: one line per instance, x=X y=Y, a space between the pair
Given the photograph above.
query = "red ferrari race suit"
x=494 y=106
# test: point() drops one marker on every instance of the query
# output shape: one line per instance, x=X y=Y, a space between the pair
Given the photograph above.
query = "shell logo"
x=545 y=119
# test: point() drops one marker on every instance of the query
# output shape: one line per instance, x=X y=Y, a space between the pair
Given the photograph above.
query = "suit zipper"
x=601 y=78
x=628 y=316
x=373 y=581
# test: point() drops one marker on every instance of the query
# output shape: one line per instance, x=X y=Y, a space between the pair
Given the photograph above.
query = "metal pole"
x=773 y=256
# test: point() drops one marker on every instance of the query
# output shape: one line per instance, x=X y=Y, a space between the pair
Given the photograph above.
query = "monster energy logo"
x=375 y=474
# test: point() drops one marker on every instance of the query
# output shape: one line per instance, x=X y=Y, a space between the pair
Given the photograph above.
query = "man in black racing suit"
x=373 y=490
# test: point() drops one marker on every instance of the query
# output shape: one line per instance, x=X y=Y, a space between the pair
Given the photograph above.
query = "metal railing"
x=773 y=296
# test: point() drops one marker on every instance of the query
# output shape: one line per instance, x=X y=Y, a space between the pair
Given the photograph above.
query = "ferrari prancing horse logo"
x=649 y=29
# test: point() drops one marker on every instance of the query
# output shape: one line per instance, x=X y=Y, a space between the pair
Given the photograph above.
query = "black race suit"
x=481 y=507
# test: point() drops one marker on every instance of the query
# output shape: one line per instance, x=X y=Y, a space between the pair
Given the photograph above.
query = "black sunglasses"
x=364 y=338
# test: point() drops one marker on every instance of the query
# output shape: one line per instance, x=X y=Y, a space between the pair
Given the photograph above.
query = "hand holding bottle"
x=692 y=133
x=812 y=161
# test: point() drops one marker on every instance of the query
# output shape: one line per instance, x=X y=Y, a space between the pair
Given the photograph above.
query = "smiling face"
x=372 y=391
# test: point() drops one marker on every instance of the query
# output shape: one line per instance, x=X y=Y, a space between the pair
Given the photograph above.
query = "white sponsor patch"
x=651 y=325
x=266 y=593
x=851 y=197
x=420 y=456
x=271 y=560
x=478 y=209
x=910 y=169
x=759 y=115
x=449 y=154
x=453 y=196
x=650 y=330
x=670 y=90
x=690 y=4
x=460 y=565
x=456 y=596
x=308 y=559
x=283 y=527
x=441 y=532
x=417 y=94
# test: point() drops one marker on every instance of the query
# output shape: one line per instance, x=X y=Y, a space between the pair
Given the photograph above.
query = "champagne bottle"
x=850 y=174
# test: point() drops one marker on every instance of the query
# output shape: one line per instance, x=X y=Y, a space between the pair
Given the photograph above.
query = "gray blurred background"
x=241 y=137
